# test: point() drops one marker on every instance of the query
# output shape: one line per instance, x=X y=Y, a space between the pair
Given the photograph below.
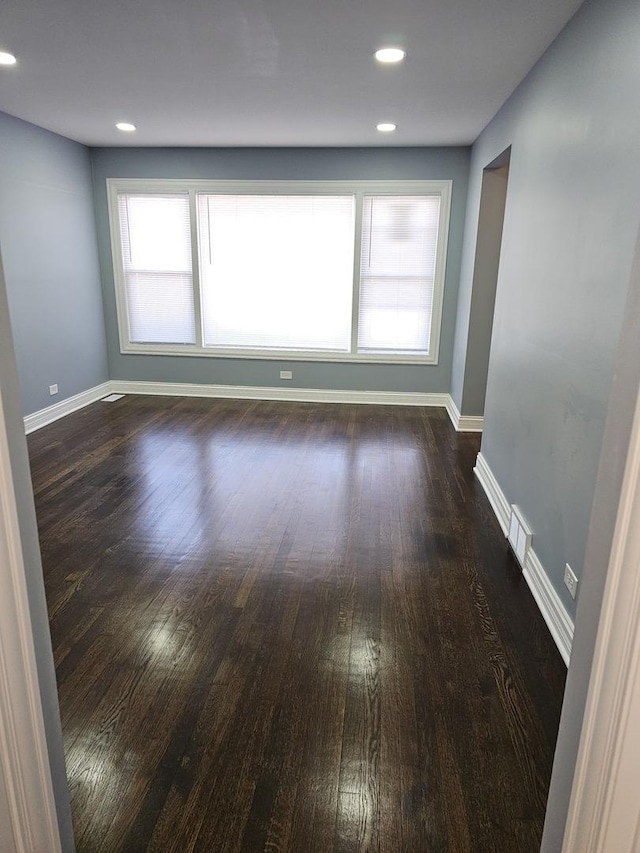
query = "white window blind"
x=156 y=257
x=318 y=270
x=397 y=270
x=276 y=271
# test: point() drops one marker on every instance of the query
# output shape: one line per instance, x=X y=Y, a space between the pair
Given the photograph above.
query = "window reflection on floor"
x=236 y=495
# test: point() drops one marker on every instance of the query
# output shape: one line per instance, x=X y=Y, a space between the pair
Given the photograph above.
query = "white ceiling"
x=269 y=72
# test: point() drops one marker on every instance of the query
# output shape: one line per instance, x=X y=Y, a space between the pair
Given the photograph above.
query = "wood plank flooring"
x=289 y=627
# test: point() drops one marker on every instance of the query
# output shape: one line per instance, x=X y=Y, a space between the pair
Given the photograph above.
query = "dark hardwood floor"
x=289 y=627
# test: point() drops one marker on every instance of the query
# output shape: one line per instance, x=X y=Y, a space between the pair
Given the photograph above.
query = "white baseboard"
x=559 y=623
x=463 y=423
x=558 y=620
x=65 y=407
x=300 y=395
x=470 y=423
x=493 y=491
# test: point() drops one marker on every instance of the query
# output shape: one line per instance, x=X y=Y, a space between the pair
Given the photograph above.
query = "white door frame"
x=23 y=743
x=33 y=817
x=604 y=810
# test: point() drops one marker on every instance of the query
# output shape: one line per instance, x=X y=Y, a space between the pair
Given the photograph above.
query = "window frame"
x=358 y=189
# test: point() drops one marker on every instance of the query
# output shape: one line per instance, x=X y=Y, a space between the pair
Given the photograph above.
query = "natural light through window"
x=156 y=257
x=276 y=271
x=397 y=269
x=329 y=271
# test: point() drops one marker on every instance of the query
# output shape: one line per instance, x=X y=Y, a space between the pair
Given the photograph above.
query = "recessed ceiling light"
x=386 y=127
x=390 y=54
x=7 y=58
x=126 y=126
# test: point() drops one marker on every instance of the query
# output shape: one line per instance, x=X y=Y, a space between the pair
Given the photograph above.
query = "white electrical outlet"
x=570 y=580
x=286 y=374
x=53 y=389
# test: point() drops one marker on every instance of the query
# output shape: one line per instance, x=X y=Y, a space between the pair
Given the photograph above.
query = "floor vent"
x=519 y=535
x=112 y=398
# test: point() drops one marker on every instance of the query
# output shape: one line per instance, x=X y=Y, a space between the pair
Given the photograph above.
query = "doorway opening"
x=493 y=200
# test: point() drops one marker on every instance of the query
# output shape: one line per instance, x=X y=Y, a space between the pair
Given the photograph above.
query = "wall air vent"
x=519 y=535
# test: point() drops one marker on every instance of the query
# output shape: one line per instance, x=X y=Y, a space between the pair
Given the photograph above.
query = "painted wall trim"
x=463 y=423
x=493 y=491
x=555 y=614
x=558 y=621
x=65 y=407
x=604 y=812
x=23 y=743
x=302 y=395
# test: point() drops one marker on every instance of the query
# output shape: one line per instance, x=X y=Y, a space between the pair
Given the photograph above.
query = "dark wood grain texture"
x=289 y=627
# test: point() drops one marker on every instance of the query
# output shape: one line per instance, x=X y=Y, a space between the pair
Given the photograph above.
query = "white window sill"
x=280 y=355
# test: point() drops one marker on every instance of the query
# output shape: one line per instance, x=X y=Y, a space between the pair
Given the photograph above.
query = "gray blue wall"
x=558 y=370
x=285 y=164
x=571 y=221
x=615 y=445
x=48 y=244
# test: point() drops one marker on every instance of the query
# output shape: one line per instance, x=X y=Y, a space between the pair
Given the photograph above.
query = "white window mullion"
x=355 y=300
x=195 y=265
x=440 y=270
